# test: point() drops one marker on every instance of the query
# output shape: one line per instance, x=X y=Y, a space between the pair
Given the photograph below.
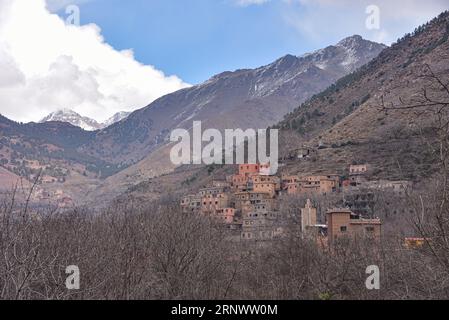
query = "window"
x=343 y=228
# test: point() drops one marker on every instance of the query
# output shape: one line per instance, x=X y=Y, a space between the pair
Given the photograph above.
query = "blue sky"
x=195 y=39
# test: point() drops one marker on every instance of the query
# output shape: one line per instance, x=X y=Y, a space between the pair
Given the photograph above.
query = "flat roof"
x=339 y=210
x=366 y=221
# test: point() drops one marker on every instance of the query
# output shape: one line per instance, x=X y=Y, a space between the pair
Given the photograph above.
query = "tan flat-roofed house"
x=265 y=184
x=319 y=184
x=211 y=203
x=344 y=223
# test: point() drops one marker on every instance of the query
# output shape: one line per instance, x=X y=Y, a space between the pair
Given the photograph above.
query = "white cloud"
x=321 y=19
x=246 y=3
x=47 y=65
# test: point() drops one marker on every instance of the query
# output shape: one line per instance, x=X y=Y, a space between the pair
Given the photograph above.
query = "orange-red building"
x=249 y=169
x=239 y=183
x=225 y=215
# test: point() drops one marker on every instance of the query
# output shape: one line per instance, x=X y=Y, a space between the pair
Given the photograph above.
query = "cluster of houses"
x=248 y=203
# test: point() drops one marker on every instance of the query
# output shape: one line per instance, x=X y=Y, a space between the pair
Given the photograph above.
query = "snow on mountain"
x=85 y=123
x=70 y=116
x=119 y=116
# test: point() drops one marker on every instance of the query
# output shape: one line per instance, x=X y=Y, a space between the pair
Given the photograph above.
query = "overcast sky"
x=126 y=54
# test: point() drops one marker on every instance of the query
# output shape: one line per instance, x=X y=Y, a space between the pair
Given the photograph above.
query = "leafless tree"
x=430 y=204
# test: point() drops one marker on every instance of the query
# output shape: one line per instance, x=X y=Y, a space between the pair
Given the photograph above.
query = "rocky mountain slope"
x=51 y=150
x=7 y=180
x=349 y=120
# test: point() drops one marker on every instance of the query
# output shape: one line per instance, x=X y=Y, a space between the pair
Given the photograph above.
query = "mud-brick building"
x=358 y=173
x=246 y=202
x=211 y=203
x=343 y=223
x=249 y=169
x=225 y=215
x=319 y=184
x=191 y=203
x=265 y=184
x=213 y=191
x=262 y=226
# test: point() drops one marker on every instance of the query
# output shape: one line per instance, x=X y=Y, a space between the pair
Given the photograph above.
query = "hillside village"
x=351 y=204
x=248 y=203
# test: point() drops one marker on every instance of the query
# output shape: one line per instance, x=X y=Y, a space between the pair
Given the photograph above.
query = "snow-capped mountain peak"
x=351 y=42
x=70 y=116
x=85 y=123
x=119 y=116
